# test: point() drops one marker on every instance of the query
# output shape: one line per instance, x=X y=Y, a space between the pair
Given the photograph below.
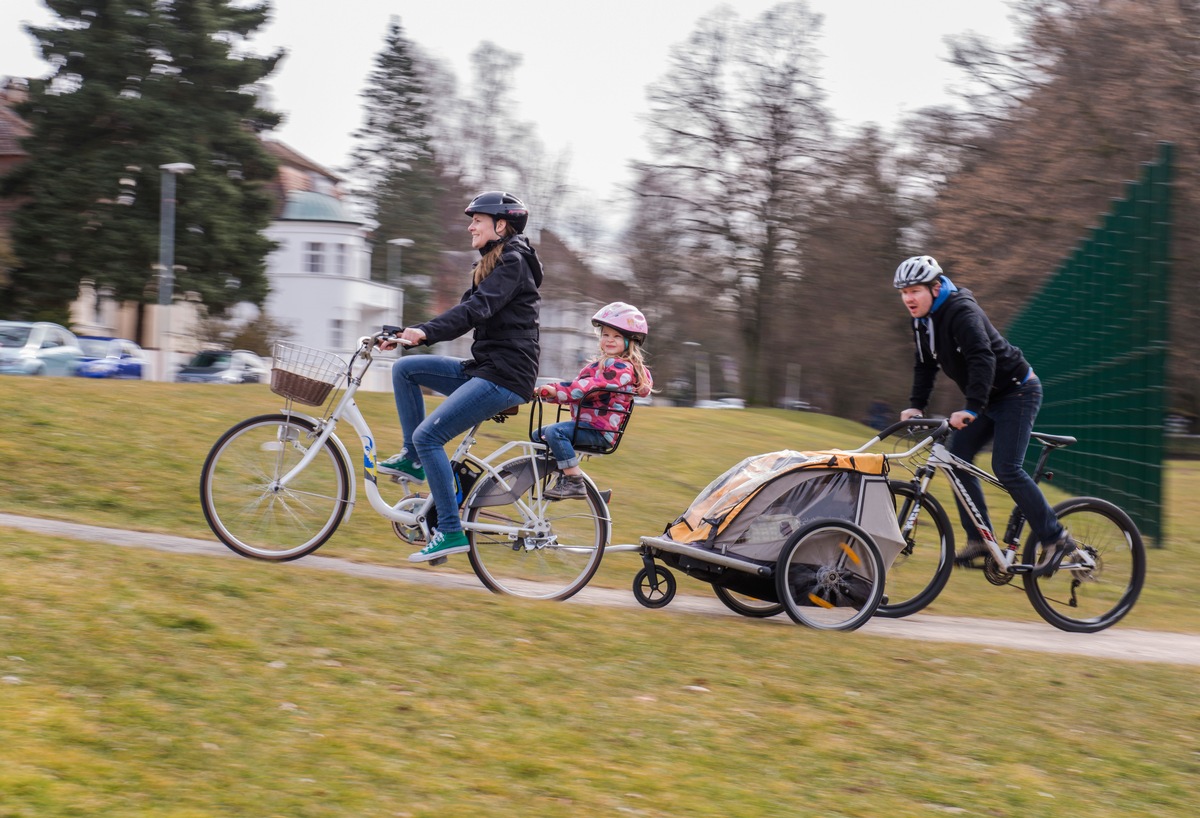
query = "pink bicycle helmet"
x=624 y=318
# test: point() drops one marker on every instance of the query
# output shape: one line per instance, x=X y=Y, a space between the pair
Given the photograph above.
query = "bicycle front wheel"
x=1084 y=598
x=922 y=568
x=550 y=550
x=247 y=508
x=830 y=576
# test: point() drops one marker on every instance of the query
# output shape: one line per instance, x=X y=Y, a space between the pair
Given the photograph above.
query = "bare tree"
x=1058 y=122
x=846 y=300
x=737 y=134
x=492 y=148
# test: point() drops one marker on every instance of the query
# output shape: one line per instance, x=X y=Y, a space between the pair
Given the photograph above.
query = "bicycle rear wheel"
x=922 y=568
x=246 y=507
x=563 y=550
x=830 y=576
x=1085 y=599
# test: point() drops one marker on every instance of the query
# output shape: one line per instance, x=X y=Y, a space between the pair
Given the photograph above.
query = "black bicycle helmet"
x=916 y=270
x=500 y=205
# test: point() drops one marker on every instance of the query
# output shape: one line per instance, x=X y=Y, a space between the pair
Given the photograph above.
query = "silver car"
x=224 y=366
x=37 y=348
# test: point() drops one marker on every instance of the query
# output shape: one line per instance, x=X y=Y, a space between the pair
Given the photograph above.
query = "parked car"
x=111 y=358
x=721 y=403
x=798 y=405
x=37 y=348
x=224 y=366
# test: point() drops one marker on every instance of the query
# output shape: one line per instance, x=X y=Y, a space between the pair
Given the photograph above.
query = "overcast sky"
x=585 y=66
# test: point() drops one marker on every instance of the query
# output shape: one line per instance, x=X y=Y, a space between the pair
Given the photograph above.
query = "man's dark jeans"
x=1007 y=424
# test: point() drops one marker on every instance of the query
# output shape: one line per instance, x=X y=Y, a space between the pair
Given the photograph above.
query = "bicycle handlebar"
x=940 y=427
x=388 y=333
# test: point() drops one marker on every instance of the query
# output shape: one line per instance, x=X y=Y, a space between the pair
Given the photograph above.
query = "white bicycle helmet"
x=916 y=270
x=624 y=318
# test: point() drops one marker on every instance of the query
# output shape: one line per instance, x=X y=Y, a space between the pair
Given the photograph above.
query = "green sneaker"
x=443 y=544
x=400 y=464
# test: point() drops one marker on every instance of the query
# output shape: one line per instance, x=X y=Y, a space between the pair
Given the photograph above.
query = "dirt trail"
x=1115 y=643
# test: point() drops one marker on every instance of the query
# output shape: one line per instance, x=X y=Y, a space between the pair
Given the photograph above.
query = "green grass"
x=137 y=683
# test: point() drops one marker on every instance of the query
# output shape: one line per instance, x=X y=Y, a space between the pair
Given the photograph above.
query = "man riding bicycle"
x=1002 y=395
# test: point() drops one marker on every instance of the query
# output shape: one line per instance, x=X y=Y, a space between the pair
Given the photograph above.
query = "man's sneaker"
x=442 y=544
x=965 y=556
x=400 y=464
x=1053 y=553
x=567 y=487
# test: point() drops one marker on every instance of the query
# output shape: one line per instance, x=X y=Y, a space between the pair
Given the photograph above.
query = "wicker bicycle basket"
x=305 y=375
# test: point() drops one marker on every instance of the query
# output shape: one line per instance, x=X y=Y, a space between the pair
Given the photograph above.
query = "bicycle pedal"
x=1020 y=569
x=436 y=561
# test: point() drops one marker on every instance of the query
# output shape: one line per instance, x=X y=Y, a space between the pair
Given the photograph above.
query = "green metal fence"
x=1097 y=336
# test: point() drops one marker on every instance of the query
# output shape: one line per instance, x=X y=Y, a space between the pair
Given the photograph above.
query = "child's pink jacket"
x=614 y=374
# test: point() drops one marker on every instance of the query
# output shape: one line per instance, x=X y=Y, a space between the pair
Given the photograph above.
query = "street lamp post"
x=166 y=256
x=701 y=371
x=394 y=270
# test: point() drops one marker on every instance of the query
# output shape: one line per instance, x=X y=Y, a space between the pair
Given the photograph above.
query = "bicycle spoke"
x=560 y=549
x=1087 y=599
x=247 y=509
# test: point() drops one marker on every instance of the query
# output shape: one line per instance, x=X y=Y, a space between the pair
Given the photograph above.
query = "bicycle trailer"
x=812 y=533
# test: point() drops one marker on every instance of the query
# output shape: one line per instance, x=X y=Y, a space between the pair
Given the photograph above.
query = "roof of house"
x=12 y=129
x=288 y=155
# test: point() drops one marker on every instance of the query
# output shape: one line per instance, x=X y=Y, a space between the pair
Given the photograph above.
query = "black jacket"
x=959 y=339
x=503 y=310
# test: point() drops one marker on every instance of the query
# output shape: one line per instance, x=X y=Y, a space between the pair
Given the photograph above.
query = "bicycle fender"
x=516 y=477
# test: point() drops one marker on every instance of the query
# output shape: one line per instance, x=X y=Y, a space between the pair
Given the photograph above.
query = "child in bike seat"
x=620 y=369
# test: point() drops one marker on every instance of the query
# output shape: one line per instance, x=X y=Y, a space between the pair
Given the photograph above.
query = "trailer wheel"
x=830 y=576
x=654 y=591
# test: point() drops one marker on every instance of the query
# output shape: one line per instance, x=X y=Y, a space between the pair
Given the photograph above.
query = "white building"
x=320 y=279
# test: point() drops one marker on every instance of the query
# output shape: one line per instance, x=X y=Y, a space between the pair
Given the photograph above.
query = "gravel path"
x=1115 y=643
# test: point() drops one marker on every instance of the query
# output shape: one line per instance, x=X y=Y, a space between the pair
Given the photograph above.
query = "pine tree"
x=136 y=84
x=396 y=169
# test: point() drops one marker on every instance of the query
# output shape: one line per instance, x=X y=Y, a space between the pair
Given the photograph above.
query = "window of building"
x=314 y=257
x=336 y=333
x=341 y=259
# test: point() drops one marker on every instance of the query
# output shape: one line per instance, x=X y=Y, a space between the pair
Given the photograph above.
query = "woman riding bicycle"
x=1002 y=397
x=502 y=306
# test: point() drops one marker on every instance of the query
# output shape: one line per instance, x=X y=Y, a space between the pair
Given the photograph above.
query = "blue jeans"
x=558 y=437
x=468 y=401
x=1007 y=423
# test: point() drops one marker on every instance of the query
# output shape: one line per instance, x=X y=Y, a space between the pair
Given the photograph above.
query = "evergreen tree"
x=137 y=84
x=396 y=169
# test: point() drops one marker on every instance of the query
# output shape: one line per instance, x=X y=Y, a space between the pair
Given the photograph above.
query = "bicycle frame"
x=347 y=409
x=1004 y=552
x=940 y=459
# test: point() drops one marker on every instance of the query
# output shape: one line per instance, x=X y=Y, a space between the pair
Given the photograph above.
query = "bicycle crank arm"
x=1065 y=566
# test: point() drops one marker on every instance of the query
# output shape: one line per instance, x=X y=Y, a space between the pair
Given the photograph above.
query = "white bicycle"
x=276 y=487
